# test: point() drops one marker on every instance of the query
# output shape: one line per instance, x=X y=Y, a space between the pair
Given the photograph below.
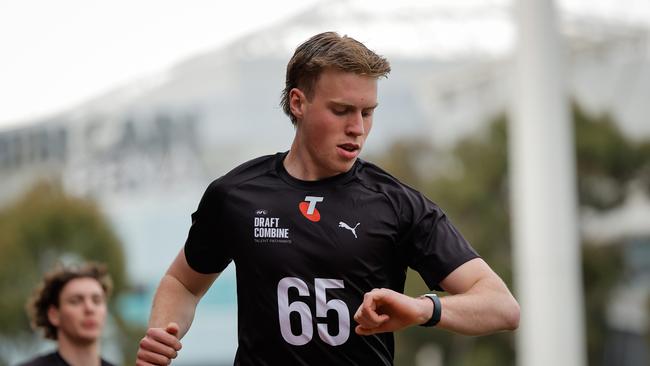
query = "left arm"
x=480 y=303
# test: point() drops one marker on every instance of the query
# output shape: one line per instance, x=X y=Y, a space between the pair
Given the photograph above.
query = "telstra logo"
x=308 y=208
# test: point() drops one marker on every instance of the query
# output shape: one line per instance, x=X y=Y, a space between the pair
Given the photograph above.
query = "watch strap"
x=437 y=310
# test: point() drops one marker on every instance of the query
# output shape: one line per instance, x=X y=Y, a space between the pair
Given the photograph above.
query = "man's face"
x=333 y=125
x=82 y=311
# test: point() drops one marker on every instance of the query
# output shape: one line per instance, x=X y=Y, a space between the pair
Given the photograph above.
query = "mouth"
x=89 y=324
x=348 y=151
x=349 y=147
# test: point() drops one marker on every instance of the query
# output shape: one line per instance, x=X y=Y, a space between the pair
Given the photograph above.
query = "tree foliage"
x=44 y=227
x=472 y=188
x=607 y=161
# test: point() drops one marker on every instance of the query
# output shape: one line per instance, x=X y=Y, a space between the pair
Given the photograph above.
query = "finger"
x=151 y=345
x=367 y=305
x=172 y=328
x=366 y=331
x=366 y=314
x=361 y=330
x=151 y=358
x=370 y=317
x=372 y=322
x=363 y=316
x=164 y=337
x=139 y=362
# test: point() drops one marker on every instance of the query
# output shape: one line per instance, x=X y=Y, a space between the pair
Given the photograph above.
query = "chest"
x=316 y=231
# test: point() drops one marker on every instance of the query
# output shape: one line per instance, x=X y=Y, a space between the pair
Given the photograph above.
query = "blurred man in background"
x=321 y=238
x=70 y=308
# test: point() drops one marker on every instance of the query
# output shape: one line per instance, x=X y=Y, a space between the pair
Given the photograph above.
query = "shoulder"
x=409 y=204
x=249 y=170
x=106 y=363
x=49 y=359
x=254 y=167
x=377 y=179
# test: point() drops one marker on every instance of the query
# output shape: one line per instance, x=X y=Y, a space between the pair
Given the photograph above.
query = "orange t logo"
x=308 y=208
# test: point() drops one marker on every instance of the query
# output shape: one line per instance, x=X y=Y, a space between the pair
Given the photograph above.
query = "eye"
x=339 y=111
x=98 y=300
x=75 y=300
x=368 y=112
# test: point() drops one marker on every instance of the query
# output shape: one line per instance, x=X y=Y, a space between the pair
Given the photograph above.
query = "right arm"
x=172 y=312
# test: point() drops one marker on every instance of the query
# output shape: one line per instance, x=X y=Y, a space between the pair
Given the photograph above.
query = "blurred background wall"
x=142 y=153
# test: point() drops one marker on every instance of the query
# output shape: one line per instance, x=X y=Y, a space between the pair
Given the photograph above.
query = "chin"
x=348 y=164
x=344 y=169
x=338 y=166
x=89 y=337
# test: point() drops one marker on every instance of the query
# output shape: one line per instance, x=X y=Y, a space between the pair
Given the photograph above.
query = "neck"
x=79 y=354
x=295 y=166
x=301 y=166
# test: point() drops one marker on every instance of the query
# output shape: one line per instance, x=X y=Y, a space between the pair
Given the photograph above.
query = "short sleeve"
x=205 y=250
x=433 y=246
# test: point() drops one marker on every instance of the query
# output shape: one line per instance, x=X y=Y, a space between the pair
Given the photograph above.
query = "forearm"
x=173 y=302
x=487 y=307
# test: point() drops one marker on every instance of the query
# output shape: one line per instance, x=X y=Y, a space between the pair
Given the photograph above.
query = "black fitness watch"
x=437 y=310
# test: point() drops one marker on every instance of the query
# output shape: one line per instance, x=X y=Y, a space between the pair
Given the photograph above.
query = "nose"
x=89 y=305
x=355 y=125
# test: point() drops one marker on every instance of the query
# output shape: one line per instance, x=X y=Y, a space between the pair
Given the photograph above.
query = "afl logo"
x=308 y=208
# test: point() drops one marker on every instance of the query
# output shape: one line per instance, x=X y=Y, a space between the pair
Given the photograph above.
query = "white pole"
x=544 y=213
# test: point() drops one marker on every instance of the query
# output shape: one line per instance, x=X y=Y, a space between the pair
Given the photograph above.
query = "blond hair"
x=328 y=50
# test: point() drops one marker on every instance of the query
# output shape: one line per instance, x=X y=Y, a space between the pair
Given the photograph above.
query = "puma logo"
x=346 y=226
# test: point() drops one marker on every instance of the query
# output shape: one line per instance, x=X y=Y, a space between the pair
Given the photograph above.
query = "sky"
x=56 y=54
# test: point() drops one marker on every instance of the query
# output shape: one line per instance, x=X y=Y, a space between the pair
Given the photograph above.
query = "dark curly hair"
x=328 y=50
x=47 y=293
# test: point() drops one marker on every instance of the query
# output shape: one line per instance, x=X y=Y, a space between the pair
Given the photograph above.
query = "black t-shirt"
x=53 y=359
x=307 y=251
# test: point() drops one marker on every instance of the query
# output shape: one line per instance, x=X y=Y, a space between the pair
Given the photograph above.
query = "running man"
x=322 y=239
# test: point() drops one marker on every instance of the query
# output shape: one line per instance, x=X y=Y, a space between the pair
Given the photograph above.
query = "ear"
x=297 y=101
x=53 y=315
